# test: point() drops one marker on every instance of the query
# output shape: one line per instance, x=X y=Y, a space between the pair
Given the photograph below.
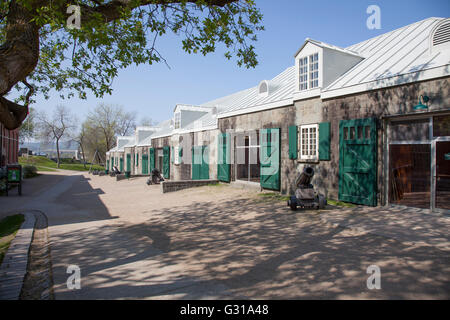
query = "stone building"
x=372 y=119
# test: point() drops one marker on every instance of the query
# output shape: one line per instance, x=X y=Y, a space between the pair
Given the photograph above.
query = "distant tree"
x=61 y=124
x=81 y=140
x=27 y=129
x=147 y=122
x=75 y=46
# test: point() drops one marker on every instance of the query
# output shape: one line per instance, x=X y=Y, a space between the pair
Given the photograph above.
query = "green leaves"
x=113 y=36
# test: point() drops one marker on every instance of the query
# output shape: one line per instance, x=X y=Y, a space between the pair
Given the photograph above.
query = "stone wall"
x=276 y=118
x=172 y=186
x=390 y=101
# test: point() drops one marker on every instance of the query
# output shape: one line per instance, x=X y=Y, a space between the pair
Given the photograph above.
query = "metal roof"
x=403 y=52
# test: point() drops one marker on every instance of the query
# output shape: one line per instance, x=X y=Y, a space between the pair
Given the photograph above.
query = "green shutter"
x=121 y=164
x=144 y=164
x=293 y=148
x=152 y=158
x=270 y=158
x=107 y=164
x=200 y=168
x=180 y=154
x=324 y=141
x=137 y=159
x=166 y=162
x=128 y=162
x=223 y=163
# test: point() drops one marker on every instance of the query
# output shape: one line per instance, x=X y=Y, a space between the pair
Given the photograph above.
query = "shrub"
x=29 y=171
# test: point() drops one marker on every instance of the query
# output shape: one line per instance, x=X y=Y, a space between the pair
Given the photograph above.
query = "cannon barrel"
x=305 y=177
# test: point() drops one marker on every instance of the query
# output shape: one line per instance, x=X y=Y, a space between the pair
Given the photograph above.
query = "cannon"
x=155 y=177
x=305 y=195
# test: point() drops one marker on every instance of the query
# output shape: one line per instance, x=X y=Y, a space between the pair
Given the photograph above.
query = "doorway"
x=419 y=162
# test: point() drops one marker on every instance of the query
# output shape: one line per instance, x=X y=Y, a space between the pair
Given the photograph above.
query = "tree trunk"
x=57 y=153
x=18 y=58
x=84 y=158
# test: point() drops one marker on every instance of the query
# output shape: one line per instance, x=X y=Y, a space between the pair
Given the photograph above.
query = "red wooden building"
x=9 y=146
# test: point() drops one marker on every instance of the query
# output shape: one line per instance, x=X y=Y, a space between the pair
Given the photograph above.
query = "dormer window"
x=177 y=120
x=309 y=72
x=303 y=73
x=263 y=88
x=314 y=71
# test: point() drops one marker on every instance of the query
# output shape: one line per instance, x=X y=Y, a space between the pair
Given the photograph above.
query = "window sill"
x=313 y=161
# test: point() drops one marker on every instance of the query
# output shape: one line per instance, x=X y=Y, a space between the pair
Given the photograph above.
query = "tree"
x=147 y=122
x=27 y=129
x=43 y=47
x=81 y=139
x=102 y=125
x=52 y=129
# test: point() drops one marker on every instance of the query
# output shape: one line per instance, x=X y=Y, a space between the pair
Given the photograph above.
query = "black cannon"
x=155 y=177
x=305 y=196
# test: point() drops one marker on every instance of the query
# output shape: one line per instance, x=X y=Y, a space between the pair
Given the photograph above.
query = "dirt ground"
x=216 y=242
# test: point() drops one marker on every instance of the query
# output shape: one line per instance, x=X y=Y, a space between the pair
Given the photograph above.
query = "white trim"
x=308 y=94
x=405 y=78
x=300 y=153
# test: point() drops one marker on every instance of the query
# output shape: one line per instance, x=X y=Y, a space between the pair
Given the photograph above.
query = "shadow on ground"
x=244 y=249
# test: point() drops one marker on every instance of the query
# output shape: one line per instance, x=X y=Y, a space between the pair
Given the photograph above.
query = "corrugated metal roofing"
x=399 y=52
x=281 y=87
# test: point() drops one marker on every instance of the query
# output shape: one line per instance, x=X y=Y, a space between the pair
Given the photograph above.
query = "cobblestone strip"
x=14 y=265
x=38 y=282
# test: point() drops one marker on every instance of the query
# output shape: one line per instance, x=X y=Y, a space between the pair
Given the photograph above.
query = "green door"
x=152 y=158
x=107 y=164
x=200 y=168
x=270 y=158
x=223 y=163
x=121 y=164
x=357 y=161
x=128 y=162
x=166 y=162
x=145 y=164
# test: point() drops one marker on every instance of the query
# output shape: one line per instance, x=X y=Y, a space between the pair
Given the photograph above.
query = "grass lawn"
x=8 y=229
x=45 y=164
x=273 y=196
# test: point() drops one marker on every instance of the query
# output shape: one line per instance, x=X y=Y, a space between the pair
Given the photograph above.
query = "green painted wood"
x=137 y=159
x=144 y=164
x=107 y=164
x=152 y=159
x=357 y=161
x=128 y=162
x=324 y=141
x=121 y=164
x=223 y=163
x=180 y=154
x=166 y=162
x=200 y=167
x=270 y=158
x=293 y=142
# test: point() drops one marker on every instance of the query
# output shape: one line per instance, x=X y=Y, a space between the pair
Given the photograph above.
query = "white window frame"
x=303 y=73
x=309 y=130
x=313 y=71
x=177 y=120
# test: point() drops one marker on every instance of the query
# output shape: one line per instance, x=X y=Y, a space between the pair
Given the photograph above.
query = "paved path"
x=14 y=264
x=131 y=241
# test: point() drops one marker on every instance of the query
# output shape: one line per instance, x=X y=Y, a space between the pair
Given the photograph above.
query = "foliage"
x=29 y=171
x=113 y=37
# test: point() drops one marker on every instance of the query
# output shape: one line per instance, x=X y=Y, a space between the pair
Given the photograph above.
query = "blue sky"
x=153 y=91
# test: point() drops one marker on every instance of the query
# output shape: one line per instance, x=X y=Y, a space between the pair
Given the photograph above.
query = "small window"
x=177 y=120
x=308 y=141
x=345 y=133
x=360 y=133
x=367 y=133
x=352 y=133
x=303 y=64
x=314 y=71
x=441 y=126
